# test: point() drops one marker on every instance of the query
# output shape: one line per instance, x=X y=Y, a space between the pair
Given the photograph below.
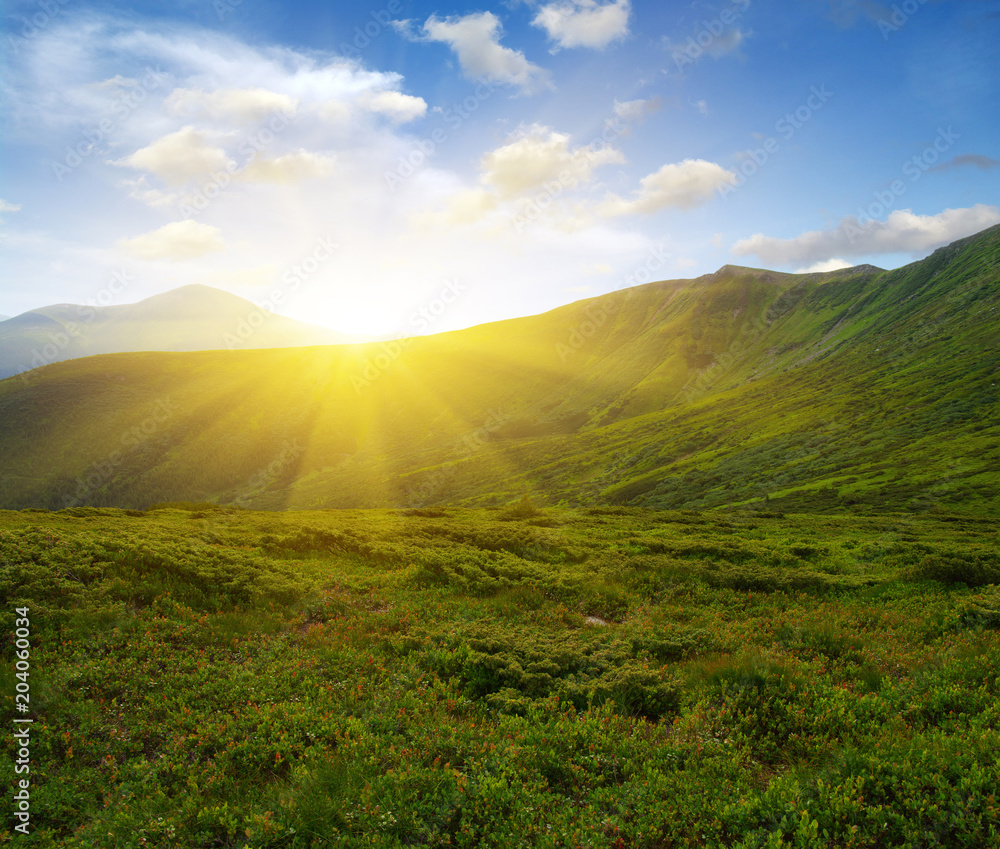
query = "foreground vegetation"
x=606 y=677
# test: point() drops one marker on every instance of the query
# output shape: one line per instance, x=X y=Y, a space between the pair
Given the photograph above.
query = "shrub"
x=975 y=568
x=524 y=509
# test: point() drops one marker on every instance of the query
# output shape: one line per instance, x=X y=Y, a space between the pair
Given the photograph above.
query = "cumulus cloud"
x=179 y=157
x=584 y=23
x=539 y=155
x=9 y=207
x=683 y=185
x=397 y=106
x=179 y=240
x=386 y=265
x=634 y=111
x=901 y=232
x=290 y=168
x=537 y=163
x=245 y=106
x=475 y=39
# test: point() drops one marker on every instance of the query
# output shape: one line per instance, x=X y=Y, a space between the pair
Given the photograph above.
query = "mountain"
x=191 y=318
x=857 y=389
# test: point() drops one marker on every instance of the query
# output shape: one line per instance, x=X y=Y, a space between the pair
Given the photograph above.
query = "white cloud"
x=290 y=168
x=397 y=106
x=683 y=185
x=635 y=111
x=901 y=232
x=385 y=267
x=824 y=265
x=475 y=39
x=584 y=23
x=245 y=106
x=532 y=175
x=179 y=240
x=539 y=155
x=179 y=157
x=9 y=207
x=702 y=107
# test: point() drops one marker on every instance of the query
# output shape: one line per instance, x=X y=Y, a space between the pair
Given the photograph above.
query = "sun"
x=355 y=312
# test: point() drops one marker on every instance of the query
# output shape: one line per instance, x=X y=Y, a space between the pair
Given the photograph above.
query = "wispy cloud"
x=177 y=241
x=901 y=232
x=636 y=111
x=975 y=160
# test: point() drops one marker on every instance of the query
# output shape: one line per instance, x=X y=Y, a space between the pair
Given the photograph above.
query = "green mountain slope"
x=843 y=389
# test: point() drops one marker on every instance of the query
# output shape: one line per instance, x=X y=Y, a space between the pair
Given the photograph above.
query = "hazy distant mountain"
x=191 y=318
x=854 y=389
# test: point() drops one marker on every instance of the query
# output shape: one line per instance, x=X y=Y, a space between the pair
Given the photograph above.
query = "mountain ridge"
x=831 y=391
x=192 y=317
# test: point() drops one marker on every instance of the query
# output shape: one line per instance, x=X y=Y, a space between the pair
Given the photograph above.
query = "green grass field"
x=597 y=677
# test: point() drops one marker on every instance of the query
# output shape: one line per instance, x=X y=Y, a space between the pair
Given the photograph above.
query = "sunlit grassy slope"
x=852 y=389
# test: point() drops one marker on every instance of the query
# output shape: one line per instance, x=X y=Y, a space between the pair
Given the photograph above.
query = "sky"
x=356 y=165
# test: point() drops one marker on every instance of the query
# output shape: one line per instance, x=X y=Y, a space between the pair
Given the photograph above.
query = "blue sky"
x=348 y=163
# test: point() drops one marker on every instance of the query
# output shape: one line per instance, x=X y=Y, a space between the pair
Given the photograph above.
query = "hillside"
x=190 y=318
x=851 y=389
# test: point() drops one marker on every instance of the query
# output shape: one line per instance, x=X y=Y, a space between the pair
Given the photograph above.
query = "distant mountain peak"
x=745 y=271
x=193 y=317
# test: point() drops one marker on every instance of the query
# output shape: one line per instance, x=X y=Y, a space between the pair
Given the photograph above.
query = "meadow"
x=204 y=676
